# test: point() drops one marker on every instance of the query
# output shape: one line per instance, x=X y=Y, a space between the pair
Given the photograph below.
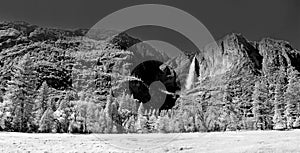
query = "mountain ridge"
x=233 y=54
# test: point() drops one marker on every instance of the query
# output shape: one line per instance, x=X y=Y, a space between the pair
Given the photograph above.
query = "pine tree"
x=65 y=102
x=122 y=101
x=292 y=97
x=46 y=122
x=141 y=109
x=21 y=92
x=142 y=120
x=266 y=94
x=259 y=98
x=41 y=101
x=127 y=103
x=63 y=113
x=117 y=121
x=278 y=120
x=92 y=112
x=82 y=117
x=152 y=121
x=229 y=117
x=162 y=124
x=108 y=113
x=127 y=112
x=102 y=121
x=130 y=125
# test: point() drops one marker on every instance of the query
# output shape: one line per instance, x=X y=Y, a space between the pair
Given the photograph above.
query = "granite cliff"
x=233 y=59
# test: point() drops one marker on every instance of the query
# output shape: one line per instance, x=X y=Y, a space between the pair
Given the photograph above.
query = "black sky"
x=253 y=18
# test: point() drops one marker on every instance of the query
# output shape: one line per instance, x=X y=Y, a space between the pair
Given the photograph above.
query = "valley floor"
x=241 y=141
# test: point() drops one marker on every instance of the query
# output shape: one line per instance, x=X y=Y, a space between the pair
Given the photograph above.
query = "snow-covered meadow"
x=241 y=141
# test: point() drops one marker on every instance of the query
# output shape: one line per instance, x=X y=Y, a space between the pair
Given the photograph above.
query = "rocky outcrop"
x=9 y=33
x=238 y=63
x=22 y=33
x=141 y=51
x=181 y=65
x=278 y=53
x=20 y=38
x=233 y=52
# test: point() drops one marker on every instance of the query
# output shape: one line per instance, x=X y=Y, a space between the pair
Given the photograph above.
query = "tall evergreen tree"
x=259 y=108
x=21 y=91
x=229 y=114
x=41 y=102
x=292 y=97
x=278 y=120
x=141 y=120
x=46 y=121
x=108 y=113
x=141 y=109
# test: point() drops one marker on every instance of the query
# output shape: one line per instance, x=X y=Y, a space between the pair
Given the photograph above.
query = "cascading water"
x=191 y=76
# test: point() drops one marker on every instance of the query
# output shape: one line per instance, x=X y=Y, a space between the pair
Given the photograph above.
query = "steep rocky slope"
x=50 y=48
x=234 y=59
x=236 y=55
x=278 y=53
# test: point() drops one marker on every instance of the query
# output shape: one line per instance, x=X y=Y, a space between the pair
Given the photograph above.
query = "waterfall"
x=191 y=76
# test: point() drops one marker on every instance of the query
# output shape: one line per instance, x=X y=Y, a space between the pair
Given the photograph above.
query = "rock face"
x=233 y=57
x=235 y=54
x=20 y=38
x=16 y=33
x=9 y=33
x=278 y=53
x=231 y=53
x=141 y=51
x=236 y=64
